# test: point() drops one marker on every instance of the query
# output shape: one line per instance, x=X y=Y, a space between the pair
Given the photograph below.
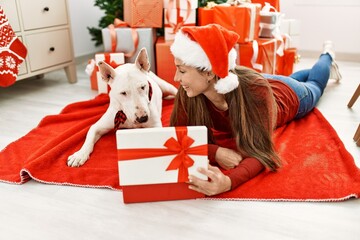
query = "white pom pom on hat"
x=211 y=48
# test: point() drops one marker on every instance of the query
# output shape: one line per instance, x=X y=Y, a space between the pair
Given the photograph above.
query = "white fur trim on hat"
x=227 y=84
x=189 y=52
x=192 y=54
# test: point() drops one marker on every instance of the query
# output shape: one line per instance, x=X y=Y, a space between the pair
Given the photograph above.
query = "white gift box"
x=159 y=160
x=182 y=4
x=172 y=24
x=291 y=27
x=114 y=59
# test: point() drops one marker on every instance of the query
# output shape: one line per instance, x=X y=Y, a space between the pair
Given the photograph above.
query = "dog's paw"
x=77 y=159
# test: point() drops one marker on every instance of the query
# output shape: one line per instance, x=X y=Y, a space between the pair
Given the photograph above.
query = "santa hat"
x=210 y=48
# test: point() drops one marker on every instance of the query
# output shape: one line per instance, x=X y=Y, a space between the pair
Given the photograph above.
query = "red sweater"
x=287 y=107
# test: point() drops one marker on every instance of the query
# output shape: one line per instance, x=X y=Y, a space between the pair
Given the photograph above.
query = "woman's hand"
x=227 y=158
x=218 y=182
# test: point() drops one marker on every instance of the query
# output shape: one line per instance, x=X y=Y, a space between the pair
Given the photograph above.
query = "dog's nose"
x=142 y=119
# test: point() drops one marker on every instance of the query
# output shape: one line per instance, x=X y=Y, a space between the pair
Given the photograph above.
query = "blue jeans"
x=308 y=84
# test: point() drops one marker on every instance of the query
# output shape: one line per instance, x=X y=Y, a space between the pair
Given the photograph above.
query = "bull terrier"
x=135 y=102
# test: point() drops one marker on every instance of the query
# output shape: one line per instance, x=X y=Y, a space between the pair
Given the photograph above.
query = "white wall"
x=84 y=14
x=336 y=20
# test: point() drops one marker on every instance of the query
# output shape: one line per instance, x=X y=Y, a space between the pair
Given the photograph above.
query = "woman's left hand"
x=217 y=183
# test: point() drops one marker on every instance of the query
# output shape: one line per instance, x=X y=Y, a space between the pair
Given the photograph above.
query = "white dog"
x=135 y=102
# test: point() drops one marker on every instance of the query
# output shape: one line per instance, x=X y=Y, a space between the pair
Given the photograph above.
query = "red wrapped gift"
x=165 y=66
x=285 y=63
x=274 y=3
x=154 y=163
x=143 y=13
x=243 y=19
x=260 y=55
x=206 y=14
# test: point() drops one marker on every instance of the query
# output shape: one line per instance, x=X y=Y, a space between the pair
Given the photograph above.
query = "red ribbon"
x=181 y=147
x=180 y=21
x=120 y=24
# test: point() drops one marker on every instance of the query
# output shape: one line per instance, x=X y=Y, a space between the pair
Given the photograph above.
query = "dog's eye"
x=123 y=93
x=143 y=87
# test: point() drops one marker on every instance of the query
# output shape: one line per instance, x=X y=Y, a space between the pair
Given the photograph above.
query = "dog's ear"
x=106 y=71
x=142 y=60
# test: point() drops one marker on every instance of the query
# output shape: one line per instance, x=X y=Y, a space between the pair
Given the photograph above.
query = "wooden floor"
x=39 y=211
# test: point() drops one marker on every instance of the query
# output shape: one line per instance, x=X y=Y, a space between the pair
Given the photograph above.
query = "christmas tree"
x=114 y=9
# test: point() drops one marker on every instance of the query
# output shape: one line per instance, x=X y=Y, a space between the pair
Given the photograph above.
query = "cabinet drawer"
x=43 y=13
x=10 y=11
x=49 y=49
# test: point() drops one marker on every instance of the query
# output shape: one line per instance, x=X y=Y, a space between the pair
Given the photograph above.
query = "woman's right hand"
x=227 y=158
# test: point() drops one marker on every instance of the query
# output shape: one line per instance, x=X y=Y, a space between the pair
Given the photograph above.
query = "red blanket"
x=317 y=167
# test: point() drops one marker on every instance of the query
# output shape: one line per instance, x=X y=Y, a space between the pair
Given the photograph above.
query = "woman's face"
x=193 y=81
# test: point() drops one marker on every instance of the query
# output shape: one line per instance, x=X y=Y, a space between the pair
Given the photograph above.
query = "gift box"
x=274 y=3
x=154 y=163
x=165 y=65
x=205 y=16
x=178 y=13
x=181 y=4
x=114 y=60
x=270 y=22
x=243 y=19
x=143 y=13
x=291 y=28
x=130 y=41
x=91 y=70
x=285 y=64
x=260 y=54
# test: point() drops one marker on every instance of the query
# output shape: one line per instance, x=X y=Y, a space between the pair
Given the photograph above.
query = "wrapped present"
x=181 y=4
x=165 y=66
x=291 y=28
x=114 y=60
x=206 y=14
x=270 y=22
x=285 y=64
x=243 y=19
x=130 y=41
x=178 y=13
x=261 y=54
x=154 y=163
x=274 y=3
x=143 y=13
x=92 y=69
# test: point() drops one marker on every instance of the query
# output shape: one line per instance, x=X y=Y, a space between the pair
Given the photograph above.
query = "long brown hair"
x=252 y=116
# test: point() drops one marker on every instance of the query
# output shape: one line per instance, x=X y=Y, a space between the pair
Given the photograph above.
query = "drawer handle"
x=46 y=9
x=52 y=49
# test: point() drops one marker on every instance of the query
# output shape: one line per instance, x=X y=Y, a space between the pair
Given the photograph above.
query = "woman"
x=239 y=106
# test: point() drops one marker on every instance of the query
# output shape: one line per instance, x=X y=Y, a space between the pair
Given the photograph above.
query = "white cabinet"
x=44 y=27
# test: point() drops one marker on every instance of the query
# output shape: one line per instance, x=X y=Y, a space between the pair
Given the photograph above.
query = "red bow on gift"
x=119 y=24
x=181 y=147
